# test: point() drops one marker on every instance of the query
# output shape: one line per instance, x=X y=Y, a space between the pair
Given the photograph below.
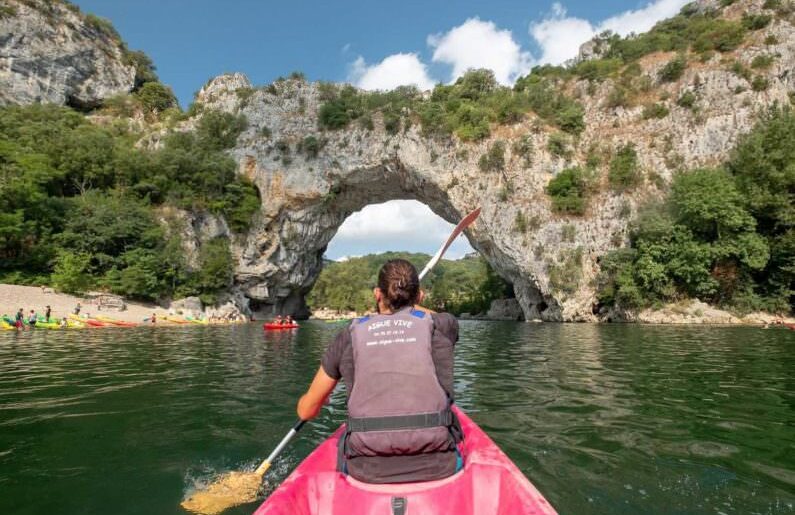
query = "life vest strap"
x=442 y=418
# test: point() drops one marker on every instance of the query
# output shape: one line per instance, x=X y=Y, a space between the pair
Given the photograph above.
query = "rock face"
x=305 y=198
x=505 y=309
x=50 y=53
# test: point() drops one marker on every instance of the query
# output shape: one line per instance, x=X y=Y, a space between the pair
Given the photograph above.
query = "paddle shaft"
x=463 y=224
x=289 y=436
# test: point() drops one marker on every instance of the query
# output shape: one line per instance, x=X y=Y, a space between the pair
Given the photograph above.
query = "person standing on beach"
x=32 y=318
x=20 y=320
x=77 y=309
x=47 y=315
x=154 y=318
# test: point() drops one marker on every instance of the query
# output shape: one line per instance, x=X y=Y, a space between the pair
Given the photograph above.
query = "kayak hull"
x=489 y=484
x=278 y=327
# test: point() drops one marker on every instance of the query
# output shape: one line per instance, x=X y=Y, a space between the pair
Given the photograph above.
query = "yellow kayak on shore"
x=176 y=320
x=6 y=326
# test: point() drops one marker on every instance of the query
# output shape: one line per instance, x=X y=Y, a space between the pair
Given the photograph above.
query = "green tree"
x=156 y=97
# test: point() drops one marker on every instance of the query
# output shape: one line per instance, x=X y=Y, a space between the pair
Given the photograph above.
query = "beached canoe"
x=489 y=484
x=87 y=321
x=48 y=325
x=113 y=321
x=277 y=327
x=176 y=320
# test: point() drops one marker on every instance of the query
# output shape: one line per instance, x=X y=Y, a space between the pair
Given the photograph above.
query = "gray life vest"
x=396 y=405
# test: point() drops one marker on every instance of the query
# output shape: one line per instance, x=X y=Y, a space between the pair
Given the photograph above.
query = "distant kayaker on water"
x=397 y=367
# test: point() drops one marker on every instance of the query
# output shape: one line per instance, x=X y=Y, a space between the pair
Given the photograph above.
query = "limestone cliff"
x=51 y=53
x=551 y=260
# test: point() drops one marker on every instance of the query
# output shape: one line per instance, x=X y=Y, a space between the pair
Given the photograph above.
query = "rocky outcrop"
x=51 y=53
x=505 y=309
x=307 y=196
x=697 y=312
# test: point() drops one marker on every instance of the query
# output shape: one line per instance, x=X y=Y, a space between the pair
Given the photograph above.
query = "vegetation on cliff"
x=724 y=235
x=465 y=108
x=80 y=204
x=466 y=285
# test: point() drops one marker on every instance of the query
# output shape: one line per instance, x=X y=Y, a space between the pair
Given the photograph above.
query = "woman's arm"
x=310 y=403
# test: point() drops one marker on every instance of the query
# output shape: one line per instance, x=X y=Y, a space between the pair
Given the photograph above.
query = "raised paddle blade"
x=463 y=224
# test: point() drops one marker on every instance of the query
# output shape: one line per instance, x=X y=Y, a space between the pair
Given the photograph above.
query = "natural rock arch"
x=293 y=246
x=311 y=179
x=306 y=197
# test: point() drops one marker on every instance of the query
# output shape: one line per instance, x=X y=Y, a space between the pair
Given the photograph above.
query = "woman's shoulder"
x=445 y=322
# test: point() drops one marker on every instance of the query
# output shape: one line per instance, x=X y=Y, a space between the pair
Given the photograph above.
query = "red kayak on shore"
x=489 y=484
x=275 y=327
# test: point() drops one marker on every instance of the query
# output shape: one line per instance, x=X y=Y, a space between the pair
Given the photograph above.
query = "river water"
x=602 y=418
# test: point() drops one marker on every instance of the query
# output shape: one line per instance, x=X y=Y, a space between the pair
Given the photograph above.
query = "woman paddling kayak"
x=400 y=426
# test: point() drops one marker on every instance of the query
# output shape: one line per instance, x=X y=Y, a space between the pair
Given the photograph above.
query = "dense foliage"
x=79 y=203
x=726 y=235
x=465 y=108
x=569 y=191
x=466 y=285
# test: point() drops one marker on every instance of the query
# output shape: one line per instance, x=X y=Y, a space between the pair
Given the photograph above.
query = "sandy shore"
x=13 y=297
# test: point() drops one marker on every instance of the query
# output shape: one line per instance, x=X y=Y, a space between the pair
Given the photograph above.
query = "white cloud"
x=559 y=36
x=480 y=44
x=405 y=225
x=395 y=70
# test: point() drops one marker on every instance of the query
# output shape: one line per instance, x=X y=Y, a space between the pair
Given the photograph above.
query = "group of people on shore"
x=22 y=322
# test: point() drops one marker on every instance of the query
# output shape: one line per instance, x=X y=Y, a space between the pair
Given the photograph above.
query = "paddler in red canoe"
x=400 y=427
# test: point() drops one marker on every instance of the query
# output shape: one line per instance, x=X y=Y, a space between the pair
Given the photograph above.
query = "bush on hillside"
x=624 y=170
x=569 y=191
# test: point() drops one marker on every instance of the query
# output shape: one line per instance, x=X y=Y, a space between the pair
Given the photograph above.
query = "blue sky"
x=372 y=44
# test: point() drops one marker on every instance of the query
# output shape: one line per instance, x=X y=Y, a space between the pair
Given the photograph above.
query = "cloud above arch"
x=393 y=71
x=480 y=43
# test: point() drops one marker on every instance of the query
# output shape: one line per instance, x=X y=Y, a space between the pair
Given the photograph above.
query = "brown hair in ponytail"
x=399 y=283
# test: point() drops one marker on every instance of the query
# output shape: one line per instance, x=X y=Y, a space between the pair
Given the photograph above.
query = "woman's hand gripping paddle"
x=236 y=488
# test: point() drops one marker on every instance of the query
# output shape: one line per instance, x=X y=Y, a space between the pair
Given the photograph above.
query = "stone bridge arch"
x=311 y=180
x=281 y=260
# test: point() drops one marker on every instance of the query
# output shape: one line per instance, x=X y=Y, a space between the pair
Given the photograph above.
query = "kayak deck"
x=490 y=484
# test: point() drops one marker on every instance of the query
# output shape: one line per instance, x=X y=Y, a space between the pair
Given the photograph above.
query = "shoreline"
x=13 y=297
x=684 y=313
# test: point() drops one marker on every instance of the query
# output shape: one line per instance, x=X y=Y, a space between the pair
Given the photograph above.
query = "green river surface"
x=602 y=418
